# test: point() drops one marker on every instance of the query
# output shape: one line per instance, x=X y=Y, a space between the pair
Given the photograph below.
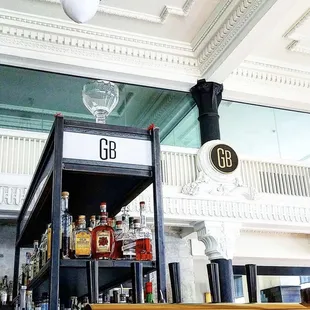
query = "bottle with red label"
x=103 y=236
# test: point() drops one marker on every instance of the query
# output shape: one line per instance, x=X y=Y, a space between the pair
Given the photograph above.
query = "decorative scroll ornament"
x=219 y=238
x=218 y=173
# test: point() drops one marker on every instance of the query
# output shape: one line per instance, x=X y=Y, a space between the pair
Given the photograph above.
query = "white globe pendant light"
x=80 y=11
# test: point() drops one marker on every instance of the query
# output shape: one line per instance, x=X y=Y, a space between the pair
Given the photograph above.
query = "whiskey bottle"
x=49 y=241
x=92 y=223
x=118 y=236
x=66 y=225
x=103 y=237
x=129 y=242
x=143 y=237
x=34 y=258
x=72 y=240
x=82 y=242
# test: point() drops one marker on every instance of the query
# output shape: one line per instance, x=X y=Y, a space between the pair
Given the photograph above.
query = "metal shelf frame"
x=87 y=180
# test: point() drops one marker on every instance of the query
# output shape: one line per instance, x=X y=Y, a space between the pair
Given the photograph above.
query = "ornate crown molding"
x=228 y=30
x=109 y=50
x=262 y=72
x=161 y=19
x=88 y=43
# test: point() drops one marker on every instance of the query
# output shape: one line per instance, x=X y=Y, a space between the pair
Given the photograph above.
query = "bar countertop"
x=210 y=306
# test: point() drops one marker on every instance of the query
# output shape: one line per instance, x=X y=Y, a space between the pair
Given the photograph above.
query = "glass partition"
x=254 y=131
x=29 y=99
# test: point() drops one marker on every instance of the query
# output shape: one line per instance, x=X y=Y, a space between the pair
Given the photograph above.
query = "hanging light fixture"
x=80 y=11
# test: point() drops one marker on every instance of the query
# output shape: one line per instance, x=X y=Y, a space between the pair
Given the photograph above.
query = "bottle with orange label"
x=82 y=239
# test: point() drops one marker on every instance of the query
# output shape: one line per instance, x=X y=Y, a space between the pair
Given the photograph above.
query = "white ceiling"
x=178 y=20
x=277 y=71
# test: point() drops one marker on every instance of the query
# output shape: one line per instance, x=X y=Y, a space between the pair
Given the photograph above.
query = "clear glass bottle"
x=29 y=300
x=10 y=293
x=143 y=237
x=34 y=258
x=45 y=301
x=103 y=236
x=118 y=236
x=66 y=225
x=82 y=240
x=92 y=223
x=28 y=270
x=129 y=242
x=125 y=219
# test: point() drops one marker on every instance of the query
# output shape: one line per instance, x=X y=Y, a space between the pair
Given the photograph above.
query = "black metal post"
x=95 y=271
x=251 y=277
x=226 y=279
x=90 y=281
x=208 y=96
x=16 y=261
x=159 y=218
x=214 y=282
x=56 y=222
x=137 y=282
x=174 y=270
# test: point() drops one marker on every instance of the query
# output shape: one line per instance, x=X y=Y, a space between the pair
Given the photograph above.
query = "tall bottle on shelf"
x=66 y=225
x=118 y=235
x=82 y=239
x=129 y=241
x=103 y=236
x=34 y=257
x=143 y=237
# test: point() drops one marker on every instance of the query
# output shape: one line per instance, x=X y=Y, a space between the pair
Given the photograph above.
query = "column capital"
x=218 y=237
x=207 y=95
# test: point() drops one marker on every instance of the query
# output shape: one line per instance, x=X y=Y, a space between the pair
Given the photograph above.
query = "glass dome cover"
x=100 y=98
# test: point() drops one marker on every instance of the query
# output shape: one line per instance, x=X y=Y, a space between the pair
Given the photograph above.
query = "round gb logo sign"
x=224 y=158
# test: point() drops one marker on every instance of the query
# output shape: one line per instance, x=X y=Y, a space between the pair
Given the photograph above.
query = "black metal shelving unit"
x=80 y=158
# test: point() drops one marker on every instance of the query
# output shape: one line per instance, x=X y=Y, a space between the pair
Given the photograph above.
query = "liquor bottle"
x=125 y=219
x=82 y=242
x=66 y=225
x=72 y=240
x=103 y=237
x=44 y=249
x=29 y=300
x=129 y=242
x=149 y=293
x=118 y=236
x=45 y=301
x=4 y=291
x=29 y=274
x=74 y=303
x=49 y=241
x=10 y=293
x=122 y=296
x=143 y=237
x=92 y=223
x=34 y=258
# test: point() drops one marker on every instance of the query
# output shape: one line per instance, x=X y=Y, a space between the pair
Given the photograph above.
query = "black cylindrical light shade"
x=251 y=277
x=174 y=271
x=214 y=282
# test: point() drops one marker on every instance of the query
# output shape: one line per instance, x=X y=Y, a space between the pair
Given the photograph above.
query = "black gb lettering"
x=107 y=149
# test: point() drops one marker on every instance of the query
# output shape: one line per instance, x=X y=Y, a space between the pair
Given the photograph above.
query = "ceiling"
x=277 y=71
x=178 y=20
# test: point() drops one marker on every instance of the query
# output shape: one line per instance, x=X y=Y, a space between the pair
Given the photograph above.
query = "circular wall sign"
x=224 y=158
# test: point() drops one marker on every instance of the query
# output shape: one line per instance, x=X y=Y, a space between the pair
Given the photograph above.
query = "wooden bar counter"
x=265 y=306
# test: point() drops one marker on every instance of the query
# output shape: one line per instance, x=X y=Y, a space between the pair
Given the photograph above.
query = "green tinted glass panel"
x=29 y=100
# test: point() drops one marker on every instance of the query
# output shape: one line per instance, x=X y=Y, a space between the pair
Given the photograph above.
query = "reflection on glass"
x=32 y=98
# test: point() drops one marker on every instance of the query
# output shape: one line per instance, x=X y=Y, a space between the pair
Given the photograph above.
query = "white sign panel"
x=107 y=149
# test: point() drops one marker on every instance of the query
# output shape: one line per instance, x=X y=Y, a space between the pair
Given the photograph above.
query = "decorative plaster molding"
x=228 y=31
x=212 y=182
x=161 y=19
x=262 y=72
x=219 y=238
x=12 y=195
x=299 y=35
x=51 y=36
